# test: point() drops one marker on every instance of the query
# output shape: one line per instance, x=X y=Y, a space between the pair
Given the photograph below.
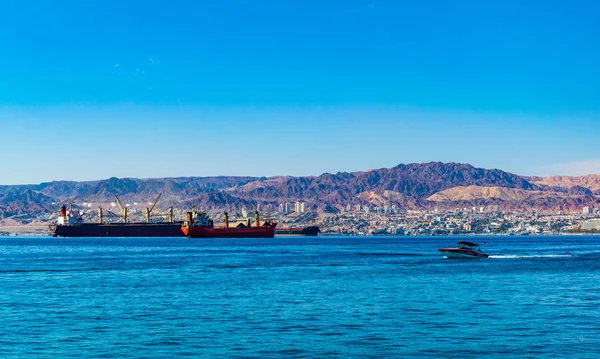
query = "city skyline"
x=100 y=89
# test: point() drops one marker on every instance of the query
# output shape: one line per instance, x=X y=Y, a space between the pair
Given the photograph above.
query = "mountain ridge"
x=407 y=186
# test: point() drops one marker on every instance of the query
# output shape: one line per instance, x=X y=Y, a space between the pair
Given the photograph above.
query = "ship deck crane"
x=123 y=210
x=149 y=210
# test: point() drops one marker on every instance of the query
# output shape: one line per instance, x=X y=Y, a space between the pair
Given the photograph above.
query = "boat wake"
x=390 y=254
x=518 y=256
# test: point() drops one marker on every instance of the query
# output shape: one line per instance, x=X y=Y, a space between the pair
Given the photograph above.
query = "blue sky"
x=93 y=89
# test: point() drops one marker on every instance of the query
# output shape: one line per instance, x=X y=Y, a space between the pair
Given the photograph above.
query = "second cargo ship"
x=203 y=227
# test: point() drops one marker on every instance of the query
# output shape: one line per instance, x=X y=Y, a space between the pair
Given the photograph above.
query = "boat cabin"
x=469 y=245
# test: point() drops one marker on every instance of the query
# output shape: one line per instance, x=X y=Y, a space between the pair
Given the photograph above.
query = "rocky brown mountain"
x=416 y=181
x=19 y=202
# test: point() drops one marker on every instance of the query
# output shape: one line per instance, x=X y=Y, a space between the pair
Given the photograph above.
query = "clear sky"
x=94 y=89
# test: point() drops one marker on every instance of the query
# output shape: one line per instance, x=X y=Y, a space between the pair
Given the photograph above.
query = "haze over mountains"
x=412 y=186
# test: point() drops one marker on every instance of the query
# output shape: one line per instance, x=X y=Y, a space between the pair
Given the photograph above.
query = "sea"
x=299 y=297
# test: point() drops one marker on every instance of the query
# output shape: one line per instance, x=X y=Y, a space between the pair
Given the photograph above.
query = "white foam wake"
x=513 y=256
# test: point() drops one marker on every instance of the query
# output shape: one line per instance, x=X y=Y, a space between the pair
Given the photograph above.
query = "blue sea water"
x=338 y=297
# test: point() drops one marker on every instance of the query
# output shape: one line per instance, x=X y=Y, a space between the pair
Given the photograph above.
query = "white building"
x=300 y=207
x=591 y=224
x=493 y=209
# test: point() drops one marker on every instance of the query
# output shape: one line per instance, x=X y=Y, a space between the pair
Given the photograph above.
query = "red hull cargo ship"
x=203 y=227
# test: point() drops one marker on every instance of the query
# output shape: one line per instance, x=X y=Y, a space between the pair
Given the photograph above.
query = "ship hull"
x=244 y=232
x=458 y=253
x=305 y=231
x=119 y=230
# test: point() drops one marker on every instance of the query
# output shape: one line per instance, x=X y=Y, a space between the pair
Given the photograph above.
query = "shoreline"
x=42 y=230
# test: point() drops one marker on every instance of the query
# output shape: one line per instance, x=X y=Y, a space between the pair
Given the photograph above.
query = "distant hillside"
x=591 y=182
x=410 y=186
x=23 y=202
x=133 y=188
x=473 y=193
x=413 y=181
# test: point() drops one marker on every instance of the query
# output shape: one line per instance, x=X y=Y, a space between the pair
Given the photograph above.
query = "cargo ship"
x=298 y=231
x=71 y=225
x=118 y=230
x=203 y=227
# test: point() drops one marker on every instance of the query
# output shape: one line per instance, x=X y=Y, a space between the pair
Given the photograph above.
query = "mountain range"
x=407 y=186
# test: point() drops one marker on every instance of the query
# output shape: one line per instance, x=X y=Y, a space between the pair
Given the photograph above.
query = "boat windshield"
x=468 y=245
